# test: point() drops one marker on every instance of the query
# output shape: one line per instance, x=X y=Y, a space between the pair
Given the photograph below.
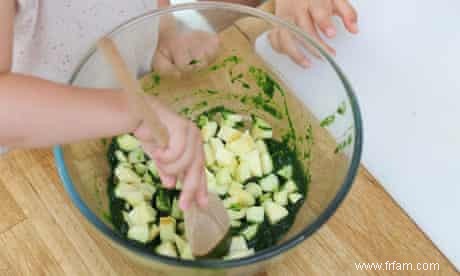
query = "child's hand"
x=183 y=159
x=184 y=52
x=311 y=15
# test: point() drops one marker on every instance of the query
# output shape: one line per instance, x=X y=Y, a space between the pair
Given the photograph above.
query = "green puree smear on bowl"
x=260 y=179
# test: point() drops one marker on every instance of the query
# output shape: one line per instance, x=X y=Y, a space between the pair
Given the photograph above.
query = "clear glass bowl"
x=322 y=108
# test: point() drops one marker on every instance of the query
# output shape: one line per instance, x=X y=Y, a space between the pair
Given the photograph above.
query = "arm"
x=36 y=113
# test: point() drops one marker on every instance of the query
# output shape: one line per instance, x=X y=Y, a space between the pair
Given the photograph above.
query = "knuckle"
x=320 y=15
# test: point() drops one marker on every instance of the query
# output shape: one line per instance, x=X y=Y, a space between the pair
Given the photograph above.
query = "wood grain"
x=54 y=239
x=42 y=233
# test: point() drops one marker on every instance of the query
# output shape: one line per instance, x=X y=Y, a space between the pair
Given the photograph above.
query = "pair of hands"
x=183 y=159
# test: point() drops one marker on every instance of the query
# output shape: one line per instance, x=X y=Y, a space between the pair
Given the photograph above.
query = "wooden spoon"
x=206 y=228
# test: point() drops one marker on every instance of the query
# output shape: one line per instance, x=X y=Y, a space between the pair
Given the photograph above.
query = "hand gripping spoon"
x=206 y=228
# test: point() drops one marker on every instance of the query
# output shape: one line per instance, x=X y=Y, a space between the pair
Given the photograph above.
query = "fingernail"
x=330 y=32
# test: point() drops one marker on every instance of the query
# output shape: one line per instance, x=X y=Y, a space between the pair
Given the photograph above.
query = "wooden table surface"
x=42 y=233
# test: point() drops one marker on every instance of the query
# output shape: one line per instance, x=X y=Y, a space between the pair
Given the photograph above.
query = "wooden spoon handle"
x=133 y=92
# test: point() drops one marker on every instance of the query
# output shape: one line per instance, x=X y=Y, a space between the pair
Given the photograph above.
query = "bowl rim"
x=261 y=255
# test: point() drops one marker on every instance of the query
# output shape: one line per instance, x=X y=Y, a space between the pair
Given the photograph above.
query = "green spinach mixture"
x=261 y=180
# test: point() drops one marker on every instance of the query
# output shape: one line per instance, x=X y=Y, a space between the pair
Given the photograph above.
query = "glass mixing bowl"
x=317 y=103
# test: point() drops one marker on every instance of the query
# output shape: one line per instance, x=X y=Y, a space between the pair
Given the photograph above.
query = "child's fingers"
x=289 y=46
x=191 y=182
x=193 y=142
x=182 y=58
x=321 y=12
x=168 y=181
x=211 y=47
x=202 y=192
x=198 y=56
x=176 y=145
x=273 y=36
x=163 y=65
x=348 y=14
x=306 y=23
x=149 y=148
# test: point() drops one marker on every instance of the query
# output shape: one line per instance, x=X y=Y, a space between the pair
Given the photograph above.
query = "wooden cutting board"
x=42 y=233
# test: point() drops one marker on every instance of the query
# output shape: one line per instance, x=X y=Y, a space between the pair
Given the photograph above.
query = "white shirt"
x=51 y=38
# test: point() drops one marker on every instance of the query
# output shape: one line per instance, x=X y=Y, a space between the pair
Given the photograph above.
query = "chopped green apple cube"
x=140 y=233
x=216 y=144
x=235 y=224
x=129 y=193
x=267 y=163
x=166 y=248
x=225 y=158
x=224 y=177
x=209 y=130
x=231 y=119
x=152 y=168
x=281 y=198
x=252 y=158
x=261 y=146
x=270 y=183
x=243 y=145
x=275 y=212
x=266 y=197
x=250 y=232
x=140 y=168
x=286 y=172
x=141 y=214
x=136 y=156
x=202 y=121
x=238 y=243
x=147 y=178
x=121 y=157
x=244 y=198
x=176 y=212
x=154 y=231
x=240 y=254
x=167 y=228
x=128 y=142
x=236 y=215
x=255 y=214
x=211 y=180
x=295 y=197
x=209 y=154
x=229 y=134
x=254 y=189
x=261 y=129
x=147 y=190
x=229 y=202
x=290 y=187
x=235 y=188
x=125 y=174
x=243 y=171
x=185 y=252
